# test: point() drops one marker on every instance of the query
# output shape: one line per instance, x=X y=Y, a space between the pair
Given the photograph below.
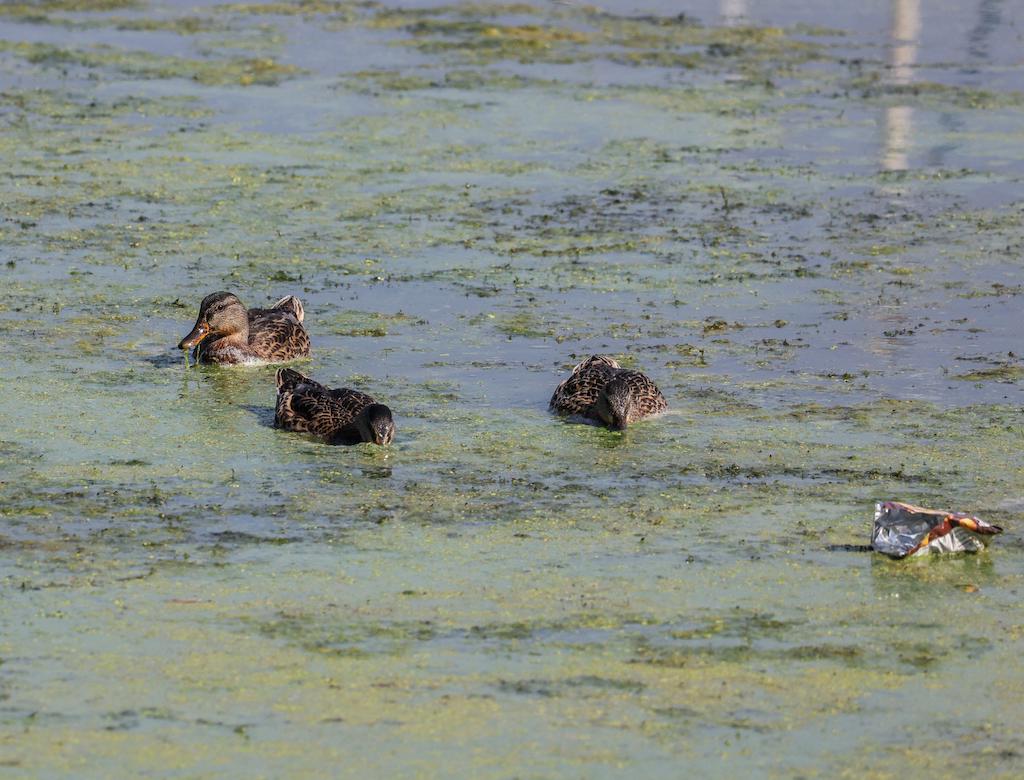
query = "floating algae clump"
x=140 y=64
x=70 y=6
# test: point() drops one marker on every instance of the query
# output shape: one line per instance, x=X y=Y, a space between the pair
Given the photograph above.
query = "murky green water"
x=804 y=223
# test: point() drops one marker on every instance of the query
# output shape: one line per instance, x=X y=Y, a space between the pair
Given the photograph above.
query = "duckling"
x=225 y=332
x=339 y=416
x=601 y=390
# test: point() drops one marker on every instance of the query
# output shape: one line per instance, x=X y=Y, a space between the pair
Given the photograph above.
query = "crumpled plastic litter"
x=904 y=530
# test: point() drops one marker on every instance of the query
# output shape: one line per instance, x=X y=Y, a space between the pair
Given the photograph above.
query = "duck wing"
x=277 y=335
x=287 y=305
x=304 y=404
x=352 y=401
x=644 y=392
x=579 y=392
x=307 y=406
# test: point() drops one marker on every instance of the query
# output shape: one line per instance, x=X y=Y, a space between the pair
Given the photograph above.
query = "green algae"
x=483 y=43
x=183 y=25
x=874 y=86
x=375 y=81
x=138 y=64
x=37 y=10
x=300 y=8
x=375 y=324
x=190 y=590
x=475 y=34
x=1004 y=373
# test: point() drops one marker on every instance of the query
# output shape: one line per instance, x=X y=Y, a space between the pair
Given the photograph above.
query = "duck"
x=227 y=333
x=603 y=391
x=341 y=416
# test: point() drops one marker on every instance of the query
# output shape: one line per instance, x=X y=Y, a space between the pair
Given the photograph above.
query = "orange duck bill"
x=199 y=332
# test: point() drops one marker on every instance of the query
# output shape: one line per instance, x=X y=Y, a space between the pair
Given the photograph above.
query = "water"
x=803 y=222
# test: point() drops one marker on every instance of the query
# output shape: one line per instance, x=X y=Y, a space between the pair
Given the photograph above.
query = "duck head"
x=221 y=314
x=615 y=405
x=376 y=425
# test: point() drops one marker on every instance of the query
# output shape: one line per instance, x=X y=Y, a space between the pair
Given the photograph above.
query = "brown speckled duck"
x=601 y=390
x=225 y=332
x=339 y=416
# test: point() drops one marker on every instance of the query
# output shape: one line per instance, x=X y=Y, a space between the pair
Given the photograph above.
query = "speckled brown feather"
x=645 y=394
x=307 y=406
x=277 y=335
x=578 y=394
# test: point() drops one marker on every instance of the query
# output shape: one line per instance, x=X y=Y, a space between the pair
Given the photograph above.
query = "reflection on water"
x=904 y=34
x=376 y=472
x=216 y=395
x=990 y=17
x=264 y=414
x=733 y=12
x=914 y=580
x=898 y=126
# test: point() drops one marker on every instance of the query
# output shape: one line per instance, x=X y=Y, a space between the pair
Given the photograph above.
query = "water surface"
x=803 y=222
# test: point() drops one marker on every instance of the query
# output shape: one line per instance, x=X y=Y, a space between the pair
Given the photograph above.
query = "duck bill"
x=199 y=332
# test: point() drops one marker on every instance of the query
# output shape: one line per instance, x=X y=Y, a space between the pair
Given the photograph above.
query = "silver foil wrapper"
x=903 y=530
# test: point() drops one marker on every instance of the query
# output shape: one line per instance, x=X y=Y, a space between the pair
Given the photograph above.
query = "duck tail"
x=292 y=305
x=288 y=379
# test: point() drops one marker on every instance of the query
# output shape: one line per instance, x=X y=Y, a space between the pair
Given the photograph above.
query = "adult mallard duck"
x=226 y=332
x=339 y=416
x=601 y=390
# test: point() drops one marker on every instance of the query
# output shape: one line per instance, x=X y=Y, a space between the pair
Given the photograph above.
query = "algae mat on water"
x=804 y=225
